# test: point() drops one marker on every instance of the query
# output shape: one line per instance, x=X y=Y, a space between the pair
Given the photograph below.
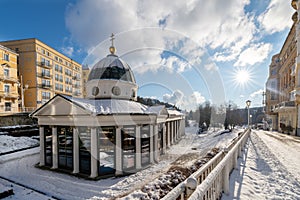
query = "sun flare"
x=242 y=77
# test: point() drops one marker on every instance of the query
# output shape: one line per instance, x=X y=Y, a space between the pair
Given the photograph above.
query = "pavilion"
x=109 y=132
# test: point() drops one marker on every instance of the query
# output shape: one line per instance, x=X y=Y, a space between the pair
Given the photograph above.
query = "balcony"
x=45 y=86
x=77 y=86
x=6 y=78
x=8 y=95
x=76 y=78
x=43 y=64
x=284 y=106
x=44 y=75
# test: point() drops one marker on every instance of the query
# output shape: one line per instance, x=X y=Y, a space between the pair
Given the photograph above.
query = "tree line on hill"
x=227 y=115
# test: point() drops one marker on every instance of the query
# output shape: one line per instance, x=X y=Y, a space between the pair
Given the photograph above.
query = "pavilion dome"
x=112 y=67
x=111 y=77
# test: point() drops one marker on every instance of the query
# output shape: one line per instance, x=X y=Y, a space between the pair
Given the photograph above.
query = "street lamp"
x=248 y=103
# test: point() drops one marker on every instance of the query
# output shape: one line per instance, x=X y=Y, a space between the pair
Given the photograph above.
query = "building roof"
x=67 y=105
x=112 y=67
x=110 y=106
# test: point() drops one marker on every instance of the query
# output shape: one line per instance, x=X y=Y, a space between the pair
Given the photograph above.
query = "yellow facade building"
x=44 y=72
x=9 y=95
x=85 y=76
x=282 y=85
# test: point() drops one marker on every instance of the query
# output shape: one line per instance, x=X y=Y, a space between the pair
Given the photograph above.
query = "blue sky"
x=182 y=52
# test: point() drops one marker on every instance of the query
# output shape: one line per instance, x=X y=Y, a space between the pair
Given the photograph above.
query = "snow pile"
x=166 y=182
x=9 y=143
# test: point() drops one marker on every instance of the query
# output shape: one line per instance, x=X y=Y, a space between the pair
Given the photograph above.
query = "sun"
x=242 y=77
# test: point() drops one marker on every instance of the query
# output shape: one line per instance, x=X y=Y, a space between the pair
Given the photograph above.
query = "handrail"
x=206 y=176
x=180 y=189
x=220 y=172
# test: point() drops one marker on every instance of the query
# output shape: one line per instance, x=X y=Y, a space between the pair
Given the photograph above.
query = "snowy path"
x=268 y=170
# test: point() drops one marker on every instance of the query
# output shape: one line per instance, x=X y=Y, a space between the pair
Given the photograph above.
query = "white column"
x=118 y=153
x=54 y=148
x=42 y=146
x=172 y=132
x=94 y=153
x=179 y=129
x=75 y=151
x=156 y=151
x=164 y=138
x=138 y=155
x=169 y=134
x=152 y=150
x=176 y=130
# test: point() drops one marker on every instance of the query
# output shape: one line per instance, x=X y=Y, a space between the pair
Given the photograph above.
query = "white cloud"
x=211 y=67
x=257 y=93
x=215 y=24
x=175 y=98
x=256 y=53
x=68 y=51
x=277 y=17
x=188 y=102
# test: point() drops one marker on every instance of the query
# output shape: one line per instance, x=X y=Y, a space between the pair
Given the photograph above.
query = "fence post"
x=190 y=186
x=226 y=179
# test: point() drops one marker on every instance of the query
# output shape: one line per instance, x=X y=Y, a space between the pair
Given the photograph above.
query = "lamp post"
x=248 y=103
x=23 y=88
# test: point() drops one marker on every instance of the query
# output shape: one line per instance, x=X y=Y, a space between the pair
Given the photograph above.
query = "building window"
x=6 y=56
x=107 y=143
x=6 y=72
x=128 y=147
x=45 y=72
x=48 y=145
x=6 y=88
x=145 y=144
x=84 y=150
x=65 y=147
x=45 y=83
x=7 y=106
x=68 y=72
x=59 y=87
x=46 y=95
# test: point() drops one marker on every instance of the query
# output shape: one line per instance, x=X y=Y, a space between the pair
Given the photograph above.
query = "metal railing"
x=213 y=177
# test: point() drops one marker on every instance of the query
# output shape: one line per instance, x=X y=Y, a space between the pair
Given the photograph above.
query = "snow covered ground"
x=9 y=143
x=19 y=168
x=269 y=169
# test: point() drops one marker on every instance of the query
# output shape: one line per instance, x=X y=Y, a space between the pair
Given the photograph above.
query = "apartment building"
x=9 y=83
x=45 y=72
x=281 y=85
x=272 y=91
x=85 y=76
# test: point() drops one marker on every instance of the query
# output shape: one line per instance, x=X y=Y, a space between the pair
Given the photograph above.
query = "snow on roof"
x=110 y=106
x=156 y=109
x=173 y=112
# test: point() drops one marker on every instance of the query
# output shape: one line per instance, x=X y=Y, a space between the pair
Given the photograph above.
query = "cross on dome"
x=112 y=49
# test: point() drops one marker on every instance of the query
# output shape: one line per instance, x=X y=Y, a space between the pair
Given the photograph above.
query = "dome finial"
x=112 y=49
